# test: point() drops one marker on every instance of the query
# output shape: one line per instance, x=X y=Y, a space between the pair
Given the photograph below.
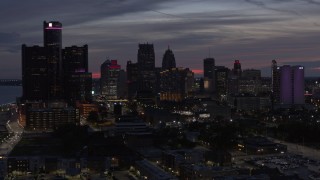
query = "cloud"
x=265 y=6
x=312 y=2
x=254 y=32
x=8 y=37
x=9 y=42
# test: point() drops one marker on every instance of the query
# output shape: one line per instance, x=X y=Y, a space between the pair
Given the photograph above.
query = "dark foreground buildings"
x=53 y=80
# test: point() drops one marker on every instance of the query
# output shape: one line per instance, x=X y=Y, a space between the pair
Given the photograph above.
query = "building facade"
x=291 y=85
x=51 y=117
x=221 y=81
x=110 y=71
x=77 y=79
x=209 y=75
x=237 y=68
x=176 y=84
x=132 y=79
x=146 y=76
x=275 y=82
x=34 y=73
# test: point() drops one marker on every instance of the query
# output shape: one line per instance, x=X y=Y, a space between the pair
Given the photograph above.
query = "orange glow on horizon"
x=95 y=75
x=197 y=71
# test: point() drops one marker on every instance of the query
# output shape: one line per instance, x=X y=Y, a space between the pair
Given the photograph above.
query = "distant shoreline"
x=10 y=82
x=10 y=85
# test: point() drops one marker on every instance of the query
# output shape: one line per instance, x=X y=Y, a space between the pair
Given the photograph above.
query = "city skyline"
x=255 y=32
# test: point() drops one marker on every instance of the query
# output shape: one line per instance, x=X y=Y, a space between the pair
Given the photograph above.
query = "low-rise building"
x=150 y=171
x=260 y=145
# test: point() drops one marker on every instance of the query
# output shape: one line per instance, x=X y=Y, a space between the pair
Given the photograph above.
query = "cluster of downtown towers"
x=56 y=79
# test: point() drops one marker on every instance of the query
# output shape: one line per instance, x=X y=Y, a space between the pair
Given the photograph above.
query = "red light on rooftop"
x=237 y=62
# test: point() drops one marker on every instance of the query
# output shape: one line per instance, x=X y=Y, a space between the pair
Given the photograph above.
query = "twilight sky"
x=253 y=31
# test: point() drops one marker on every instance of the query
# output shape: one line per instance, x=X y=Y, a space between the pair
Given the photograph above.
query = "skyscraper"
x=221 y=79
x=291 y=85
x=110 y=71
x=34 y=73
x=208 y=74
x=298 y=85
x=77 y=79
x=208 y=67
x=50 y=80
x=75 y=59
x=146 y=66
x=237 y=68
x=52 y=32
x=132 y=79
x=168 y=60
x=275 y=82
x=146 y=57
x=122 y=89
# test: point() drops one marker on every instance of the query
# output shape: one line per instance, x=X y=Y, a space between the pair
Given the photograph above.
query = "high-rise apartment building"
x=168 y=60
x=110 y=71
x=291 y=85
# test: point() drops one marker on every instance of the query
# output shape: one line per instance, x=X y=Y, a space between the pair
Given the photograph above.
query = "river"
x=9 y=94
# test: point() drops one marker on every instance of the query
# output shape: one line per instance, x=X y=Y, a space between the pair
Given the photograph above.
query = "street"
x=15 y=131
